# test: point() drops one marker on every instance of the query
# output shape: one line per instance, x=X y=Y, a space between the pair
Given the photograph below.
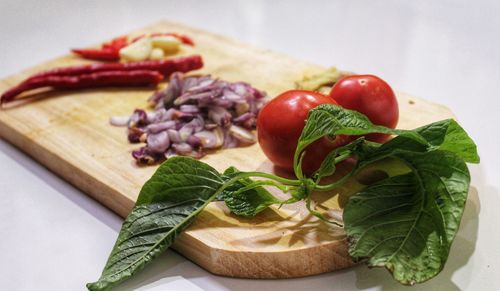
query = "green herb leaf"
x=247 y=197
x=167 y=204
x=448 y=135
x=444 y=135
x=407 y=223
x=332 y=120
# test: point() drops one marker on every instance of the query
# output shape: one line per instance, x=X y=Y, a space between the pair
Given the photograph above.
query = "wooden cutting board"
x=68 y=132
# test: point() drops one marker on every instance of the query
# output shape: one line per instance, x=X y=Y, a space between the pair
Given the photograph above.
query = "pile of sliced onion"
x=194 y=115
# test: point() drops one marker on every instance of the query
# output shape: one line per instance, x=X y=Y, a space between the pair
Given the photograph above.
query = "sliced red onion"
x=173 y=90
x=138 y=118
x=203 y=85
x=188 y=83
x=229 y=141
x=239 y=88
x=195 y=154
x=161 y=115
x=230 y=95
x=209 y=139
x=174 y=136
x=161 y=126
x=189 y=108
x=143 y=156
x=220 y=116
x=247 y=120
x=182 y=148
x=134 y=134
x=198 y=123
x=186 y=131
x=219 y=136
x=182 y=116
x=223 y=103
x=182 y=99
x=210 y=126
x=170 y=153
x=242 y=134
x=192 y=114
x=244 y=117
x=158 y=142
x=194 y=141
x=241 y=108
x=119 y=120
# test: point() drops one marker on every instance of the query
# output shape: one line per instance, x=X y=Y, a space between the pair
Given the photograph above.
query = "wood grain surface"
x=69 y=133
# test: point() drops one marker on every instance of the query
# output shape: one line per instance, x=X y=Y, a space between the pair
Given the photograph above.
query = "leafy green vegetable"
x=331 y=120
x=167 y=204
x=417 y=215
x=448 y=135
x=407 y=223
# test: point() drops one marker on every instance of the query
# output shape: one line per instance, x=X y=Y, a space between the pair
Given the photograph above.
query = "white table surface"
x=53 y=237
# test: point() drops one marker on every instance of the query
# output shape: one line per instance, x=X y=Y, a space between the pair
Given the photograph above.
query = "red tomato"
x=280 y=123
x=371 y=96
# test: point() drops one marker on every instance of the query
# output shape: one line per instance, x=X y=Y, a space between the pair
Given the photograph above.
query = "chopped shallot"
x=193 y=114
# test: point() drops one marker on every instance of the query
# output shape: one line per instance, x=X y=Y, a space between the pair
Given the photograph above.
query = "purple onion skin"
x=138 y=118
x=193 y=114
x=134 y=134
x=144 y=157
x=194 y=141
x=159 y=142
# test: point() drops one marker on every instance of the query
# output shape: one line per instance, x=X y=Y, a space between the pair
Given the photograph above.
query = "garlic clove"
x=137 y=51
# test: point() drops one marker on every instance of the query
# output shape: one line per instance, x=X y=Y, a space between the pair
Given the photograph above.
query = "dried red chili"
x=93 y=80
x=166 y=67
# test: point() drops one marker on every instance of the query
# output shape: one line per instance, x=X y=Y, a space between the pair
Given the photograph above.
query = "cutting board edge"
x=322 y=258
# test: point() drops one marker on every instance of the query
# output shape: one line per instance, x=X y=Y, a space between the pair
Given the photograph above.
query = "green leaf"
x=167 y=204
x=444 y=135
x=407 y=223
x=331 y=120
x=247 y=197
x=448 y=135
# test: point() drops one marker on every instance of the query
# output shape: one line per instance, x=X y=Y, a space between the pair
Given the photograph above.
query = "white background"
x=53 y=237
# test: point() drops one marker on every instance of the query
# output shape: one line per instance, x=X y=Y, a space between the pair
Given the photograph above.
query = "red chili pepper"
x=98 y=54
x=116 y=44
x=166 y=67
x=109 y=51
x=93 y=80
